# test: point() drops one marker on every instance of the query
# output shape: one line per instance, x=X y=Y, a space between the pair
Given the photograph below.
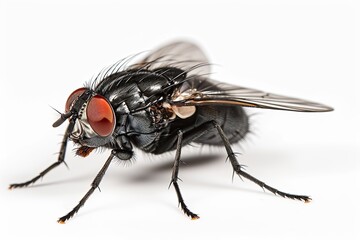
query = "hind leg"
x=187 y=137
x=239 y=171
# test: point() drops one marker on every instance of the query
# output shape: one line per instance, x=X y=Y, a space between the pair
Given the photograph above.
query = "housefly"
x=162 y=103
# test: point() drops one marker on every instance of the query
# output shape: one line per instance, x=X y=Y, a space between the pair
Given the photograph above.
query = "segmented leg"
x=239 y=171
x=94 y=185
x=174 y=178
x=60 y=160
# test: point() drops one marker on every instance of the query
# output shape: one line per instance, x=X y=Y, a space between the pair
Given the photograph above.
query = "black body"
x=159 y=104
x=148 y=128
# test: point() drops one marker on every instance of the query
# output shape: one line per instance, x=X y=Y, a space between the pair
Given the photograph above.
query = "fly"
x=160 y=104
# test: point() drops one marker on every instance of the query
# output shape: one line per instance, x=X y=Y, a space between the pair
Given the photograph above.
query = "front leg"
x=60 y=160
x=94 y=184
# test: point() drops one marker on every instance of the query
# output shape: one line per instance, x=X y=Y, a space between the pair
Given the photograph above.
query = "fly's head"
x=92 y=118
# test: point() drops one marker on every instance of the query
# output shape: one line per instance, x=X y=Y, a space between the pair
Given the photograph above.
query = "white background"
x=308 y=49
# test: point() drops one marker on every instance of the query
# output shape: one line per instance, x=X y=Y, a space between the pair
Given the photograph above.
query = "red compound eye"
x=100 y=116
x=73 y=96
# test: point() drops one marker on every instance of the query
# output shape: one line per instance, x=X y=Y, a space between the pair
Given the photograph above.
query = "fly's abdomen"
x=232 y=119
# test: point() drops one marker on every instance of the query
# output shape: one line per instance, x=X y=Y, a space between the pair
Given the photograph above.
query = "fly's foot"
x=194 y=217
x=63 y=219
x=17 y=185
x=187 y=212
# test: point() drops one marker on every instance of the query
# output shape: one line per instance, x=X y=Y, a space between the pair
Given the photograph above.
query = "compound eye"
x=73 y=96
x=100 y=116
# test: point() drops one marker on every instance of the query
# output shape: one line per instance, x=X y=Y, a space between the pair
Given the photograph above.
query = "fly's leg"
x=60 y=160
x=208 y=126
x=241 y=173
x=94 y=185
x=174 y=178
x=182 y=139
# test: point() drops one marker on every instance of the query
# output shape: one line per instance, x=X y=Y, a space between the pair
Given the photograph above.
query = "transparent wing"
x=210 y=92
x=184 y=55
x=198 y=90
